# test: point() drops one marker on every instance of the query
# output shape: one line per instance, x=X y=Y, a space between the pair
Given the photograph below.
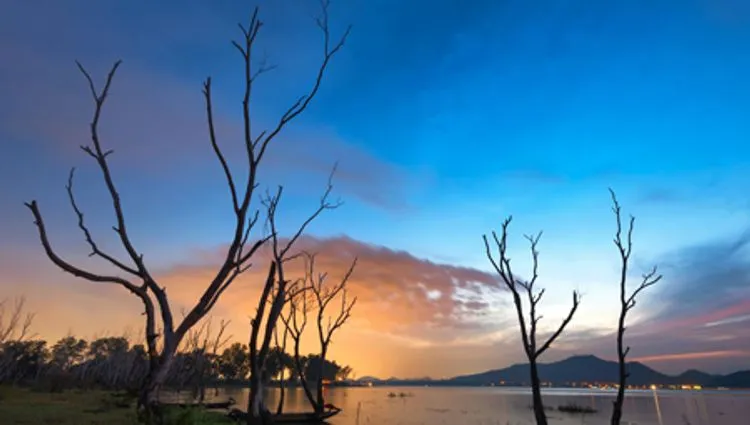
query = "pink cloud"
x=722 y=354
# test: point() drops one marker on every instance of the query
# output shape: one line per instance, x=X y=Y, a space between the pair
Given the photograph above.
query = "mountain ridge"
x=582 y=369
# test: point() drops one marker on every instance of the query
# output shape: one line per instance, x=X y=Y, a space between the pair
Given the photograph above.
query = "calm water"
x=511 y=406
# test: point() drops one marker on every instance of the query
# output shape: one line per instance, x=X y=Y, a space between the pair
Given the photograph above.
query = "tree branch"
x=68 y=267
x=303 y=101
x=215 y=145
x=101 y=158
x=626 y=302
x=502 y=266
x=553 y=337
x=82 y=225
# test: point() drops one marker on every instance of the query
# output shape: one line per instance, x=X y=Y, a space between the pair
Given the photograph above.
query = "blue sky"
x=445 y=117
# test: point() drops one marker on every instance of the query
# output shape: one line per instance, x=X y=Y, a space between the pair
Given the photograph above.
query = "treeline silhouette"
x=116 y=363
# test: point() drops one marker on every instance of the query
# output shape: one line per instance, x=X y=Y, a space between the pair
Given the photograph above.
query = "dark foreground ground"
x=26 y=407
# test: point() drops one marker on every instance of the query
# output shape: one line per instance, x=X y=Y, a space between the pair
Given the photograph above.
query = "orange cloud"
x=406 y=306
x=413 y=300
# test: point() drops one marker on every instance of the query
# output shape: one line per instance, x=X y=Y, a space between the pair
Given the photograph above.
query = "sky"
x=444 y=117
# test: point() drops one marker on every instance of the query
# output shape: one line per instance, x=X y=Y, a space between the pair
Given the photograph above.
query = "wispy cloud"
x=691 y=318
x=722 y=354
x=736 y=319
x=720 y=269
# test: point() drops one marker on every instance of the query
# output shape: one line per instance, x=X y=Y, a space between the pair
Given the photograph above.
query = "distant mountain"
x=735 y=380
x=692 y=376
x=577 y=369
x=592 y=369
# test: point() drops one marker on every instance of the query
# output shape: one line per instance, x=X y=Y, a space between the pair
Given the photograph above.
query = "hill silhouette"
x=589 y=368
x=579 y=369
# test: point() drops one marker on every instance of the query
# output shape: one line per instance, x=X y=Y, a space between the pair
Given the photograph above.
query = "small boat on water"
x=213 y=405
x=292 y=418
x=303 y=418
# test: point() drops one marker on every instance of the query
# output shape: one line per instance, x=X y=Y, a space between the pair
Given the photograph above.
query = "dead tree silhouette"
x=518 y=289
x=627 y=302
x=134 y=274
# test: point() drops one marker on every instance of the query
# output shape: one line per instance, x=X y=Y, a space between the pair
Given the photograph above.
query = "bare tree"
x=324 y=294
x=275 y=295
x=15 y=327
x=200 y=348
x=134 y=274
x=520 y=288
x=296 y=323
x=15 y=322
x=627 y=302
x=318 y=293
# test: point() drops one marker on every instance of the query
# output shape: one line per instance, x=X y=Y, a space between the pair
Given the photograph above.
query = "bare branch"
x=15 y=323
x=101 y=158
x=271 y=202
x=627 y=303
x=303 y=101
x=504 y=270
x=250 y=35
x=648 y=279
x=215 y=145
x=568 y=318
x=501 y=262
x=625 y=248
x=295 y=323
x=64 y=265
x=82 y=225
x=262 y=69
x=323 y=294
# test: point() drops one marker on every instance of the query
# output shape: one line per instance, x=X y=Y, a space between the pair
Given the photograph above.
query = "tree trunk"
x=302 y=377
x=623 y=373
x=282 y=392
x=148 y=399
x=617 y=409
x=320 y=402
x=536 y=393
x=257 y=413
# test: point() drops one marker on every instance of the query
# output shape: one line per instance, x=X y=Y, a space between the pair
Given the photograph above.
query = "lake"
x=511 y=406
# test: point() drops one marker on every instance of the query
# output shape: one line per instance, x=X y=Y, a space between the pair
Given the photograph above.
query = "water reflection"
x=511 y=406
x=658 y=408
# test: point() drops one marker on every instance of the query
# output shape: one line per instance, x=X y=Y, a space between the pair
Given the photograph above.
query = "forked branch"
x=238 y=256
x=625 y=248
x=627 y=302
x=303 y=101
x=100 y=156
x=324 y=294
x=500 y=261
x=95 y=251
